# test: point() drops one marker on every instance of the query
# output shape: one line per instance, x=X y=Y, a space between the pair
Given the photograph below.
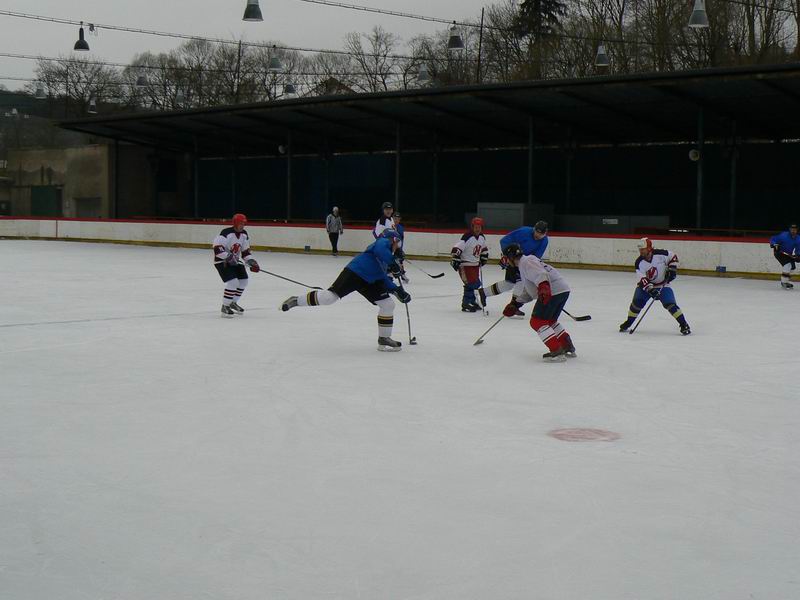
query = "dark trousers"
x=334 y=242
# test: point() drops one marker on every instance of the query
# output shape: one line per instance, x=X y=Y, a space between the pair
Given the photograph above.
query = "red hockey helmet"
x=477 y=221
x=645 y=243
x=239 y=219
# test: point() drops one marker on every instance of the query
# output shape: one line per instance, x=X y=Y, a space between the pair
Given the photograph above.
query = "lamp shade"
x=423 y=76
x=252 y=12
x=699 y=18
x=81 y=45
x=275 y=65
x=601 y=58
x=455 y=43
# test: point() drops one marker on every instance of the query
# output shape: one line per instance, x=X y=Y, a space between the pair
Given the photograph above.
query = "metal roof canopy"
x=633 y=109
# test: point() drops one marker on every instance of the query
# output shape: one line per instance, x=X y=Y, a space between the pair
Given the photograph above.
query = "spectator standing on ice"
x=786 y=247
x=333 y=225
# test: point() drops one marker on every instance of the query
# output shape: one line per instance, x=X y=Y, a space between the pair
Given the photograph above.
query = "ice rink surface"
x=151 y=450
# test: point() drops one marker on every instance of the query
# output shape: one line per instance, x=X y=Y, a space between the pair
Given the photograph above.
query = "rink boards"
x=749 y=257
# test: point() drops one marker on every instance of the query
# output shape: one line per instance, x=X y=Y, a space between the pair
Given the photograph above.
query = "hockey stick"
x=424 y=271
x=639 y=322
x=412 y=341
x=480 y=339
x=313 y=287
x=581 y=318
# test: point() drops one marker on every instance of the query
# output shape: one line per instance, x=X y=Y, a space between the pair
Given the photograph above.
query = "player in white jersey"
x=385 y=222
x=656 y=269
x=545 y=283
x=231 y=247
x=468 y=256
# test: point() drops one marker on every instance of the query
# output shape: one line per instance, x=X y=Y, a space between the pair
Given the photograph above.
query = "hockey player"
x=385 y=221
x=231 y=247
x=656 y=270
x=400 y=253
x=533 y=242
x=786 y=247
x=544 y=283
x=366 y=274
x=468 y=256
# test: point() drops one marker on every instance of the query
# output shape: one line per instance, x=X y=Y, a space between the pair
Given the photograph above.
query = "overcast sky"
x=293 y=22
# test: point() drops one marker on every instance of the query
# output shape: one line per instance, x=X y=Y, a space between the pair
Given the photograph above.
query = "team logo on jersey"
x=651 y=273
x=235 y=248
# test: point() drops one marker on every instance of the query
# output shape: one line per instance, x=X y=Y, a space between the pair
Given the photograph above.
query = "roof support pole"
x=436 y=179
x=196 y=180
x=397 y=170
x=233 y=181
x=115 y=211
x=734 y=159
x=289 y=152
x=327 y=157
x=568 y=168
x=700 y=142
x=530 y=160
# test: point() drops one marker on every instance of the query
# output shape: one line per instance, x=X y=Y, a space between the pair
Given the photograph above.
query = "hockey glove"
x=504 y=262
x=484 y=259
x=231 y=260
x=545 y=293
x=672 y=273
x=399 y=254
x=402 y=295
x=510 y=309
x=655 y=293
x=455 y=263
x=395 y=269
x=254 y=268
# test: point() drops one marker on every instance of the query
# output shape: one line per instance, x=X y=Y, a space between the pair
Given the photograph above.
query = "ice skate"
x=685 y=329
x=470 y=307
x=290 y=302
x=387 y=344
x=237 y=309
x=559 y=355
x=623 y=327
x=787 y=285
x=226 y=312
x=569 y=347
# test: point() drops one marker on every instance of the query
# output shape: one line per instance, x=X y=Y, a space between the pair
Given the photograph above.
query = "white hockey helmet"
x=645 y=243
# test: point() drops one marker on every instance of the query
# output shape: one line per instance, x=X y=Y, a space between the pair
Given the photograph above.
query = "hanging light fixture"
x=423 y=76
x=289 y=89
x=141 y=81
x=40 y=95
x=455 y=43
x=699 y=18
x=252 y=12
x=601 y=58
x=92 y=106
x=81 y=45
x=275 y=65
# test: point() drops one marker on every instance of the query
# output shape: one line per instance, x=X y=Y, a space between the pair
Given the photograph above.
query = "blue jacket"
x=524 y=237
x=786 y=243
x=373 y=264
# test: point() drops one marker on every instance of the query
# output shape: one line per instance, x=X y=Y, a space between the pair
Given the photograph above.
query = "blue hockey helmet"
x=390 y=233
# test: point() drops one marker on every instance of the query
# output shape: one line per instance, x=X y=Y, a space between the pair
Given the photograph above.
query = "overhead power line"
x=184 y=36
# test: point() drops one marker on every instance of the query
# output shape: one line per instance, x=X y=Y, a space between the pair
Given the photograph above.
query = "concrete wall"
x=752 y=258
x=82 y=173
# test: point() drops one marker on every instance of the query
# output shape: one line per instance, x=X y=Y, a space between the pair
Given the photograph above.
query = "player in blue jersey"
x=367 y=274
x=786 y=247
x=533 y=242
x=400 y=252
